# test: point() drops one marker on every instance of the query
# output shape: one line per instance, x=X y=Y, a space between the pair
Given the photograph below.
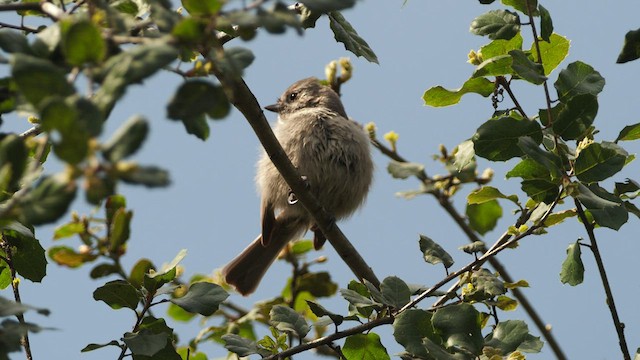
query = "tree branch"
x=244 y=100
x=444 y=201
x=605 y=281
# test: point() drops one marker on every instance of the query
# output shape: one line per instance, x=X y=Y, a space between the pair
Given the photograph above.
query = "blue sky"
x=212 y=208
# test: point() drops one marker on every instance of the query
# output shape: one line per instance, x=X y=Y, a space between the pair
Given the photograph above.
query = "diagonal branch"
x=243 y=99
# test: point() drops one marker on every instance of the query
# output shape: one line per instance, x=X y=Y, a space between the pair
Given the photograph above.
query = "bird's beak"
x=275 y=107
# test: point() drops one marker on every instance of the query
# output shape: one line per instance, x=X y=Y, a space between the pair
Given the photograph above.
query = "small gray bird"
x=330 y=151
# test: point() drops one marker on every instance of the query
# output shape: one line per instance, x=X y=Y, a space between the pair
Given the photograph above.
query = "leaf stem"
x=588 y=226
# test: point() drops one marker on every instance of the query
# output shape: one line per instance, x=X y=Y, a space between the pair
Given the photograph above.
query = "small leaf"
x=501 y=47
x=66 y=256
x=546 y=24
x=410 y=327
x=346 y=34
x=506 y=303
x=508 y=336
x=82 y=42
x=496 y=24
x=326 y=6
x=203 y=298
x=364 y=346
x=540 y=190
x=527 y=69
x=285 y=318
x=317 y=284
x=202 y=7
x=126 y=140
x=459 y=327
x=524 y=6
x=138 y=272
x=572 y=272
x=578 y=78
x=488 y=193
x=631 y=48
x=474 y=247
x=575 y=119
x=38 y=79
x=497 y=140
x=403 y=170
x=154 y=280
x=48 y=201
x=145 y=343
x=558 y=217
x=239 y=345
x=599 y=161
x=319 y=311
x=13 y=154
x=434 y=253
x=395 y=291
x=438 y=96
x=607 y=209
x=68 y=230
x=496 y=66
x=356 y=299
x=103 y=270
x=553 y=52
x=234 y=60
x=149 y=176
x=120 y=229
x=630 y=132
x=92 y=347
x=550 y=161
x=197 y=126
x=483 y=217
x=117 y=294
x=12 y=41
x=529 y=169
x=486 y=285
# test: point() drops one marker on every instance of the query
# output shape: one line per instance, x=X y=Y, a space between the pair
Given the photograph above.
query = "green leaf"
x=488 y=193
x=154 y=280
x=553 y=52
x=356 y=299
x=495 y=66
x=486 y=285
x=572 y=272
x=202 y=7
x=239 y=345
x=474 y=247
x=465 y=158
x=404 y=170
x=540 y=190
x=483 y=217
x=82 y=42
x=67 y=256
x=12 y=41
x=523 y=6
x=630 y=132
x=599 y=161
x=129 y=67
x=48 y=201
x=546 y=24
x=527 y=69
x=395 y=291
x=434 y=253
x=558 y=217
x=38 y=79
x=631 y=48
x=459 y=326
x=326 y=6
x=496 y=24
x=318 y=284
x=92 y=347
x=607 y=209
x=119 y=229
x=285 y=318
x=364 y=346
x=501 y=47
x=13 y=153
x=126 y=140
x=319 y=311
x=193 y=100
x=497 y=140
x=145 y=343
x=550 y=161
x=346 y=34
x=28 y=256
x=575 y=119
x=179 y=314
x=578 y=78
x=68 y=230
x=149 y=176
x=410 y=327
x=203 y=298
x=138 y=272
x=118 y=294
x=234 y=60
x=103 y=270
x=508 y=336
x=438 y=96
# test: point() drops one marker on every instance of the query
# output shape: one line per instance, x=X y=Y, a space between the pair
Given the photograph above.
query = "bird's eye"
x=292 y=96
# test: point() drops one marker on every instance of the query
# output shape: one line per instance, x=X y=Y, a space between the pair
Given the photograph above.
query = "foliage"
x=117 y=44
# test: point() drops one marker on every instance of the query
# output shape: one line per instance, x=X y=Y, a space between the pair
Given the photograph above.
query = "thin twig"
x=605 y=281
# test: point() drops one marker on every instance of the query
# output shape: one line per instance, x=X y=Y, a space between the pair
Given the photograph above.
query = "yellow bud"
x=34 y=120
x=84 y=249
x=180 y=10
x=330 y=71
x=392 y=139
x=370 y=128
x=197 y=66
x=16 y=281
x=347 y=69
x=208 y=66
x=474 y=58
x=487 y=174
x=321 y=259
